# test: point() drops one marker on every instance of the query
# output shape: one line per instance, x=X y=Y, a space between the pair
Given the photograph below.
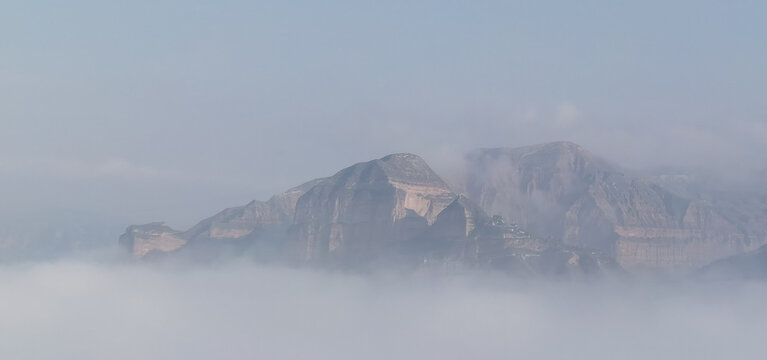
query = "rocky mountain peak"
x=402 y=168
x=410 y=169
x=368 y=206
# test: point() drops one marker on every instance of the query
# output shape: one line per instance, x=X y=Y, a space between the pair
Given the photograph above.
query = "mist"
x=166 y=112
x=81 y=309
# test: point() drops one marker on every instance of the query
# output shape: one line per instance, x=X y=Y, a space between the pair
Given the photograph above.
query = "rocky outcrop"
x=142 y=240
x=562 y=192
x=364 y=209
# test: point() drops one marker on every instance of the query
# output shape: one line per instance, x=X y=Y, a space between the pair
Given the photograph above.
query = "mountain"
x=391 y=212
x=562 y=192
x=251 y=220
x=247 y=224
x=363 y=209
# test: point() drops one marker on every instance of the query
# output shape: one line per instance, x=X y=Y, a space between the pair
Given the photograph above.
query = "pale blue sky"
x=174 y=109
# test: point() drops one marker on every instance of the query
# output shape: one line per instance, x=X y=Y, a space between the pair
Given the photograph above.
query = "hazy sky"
x=171 y=110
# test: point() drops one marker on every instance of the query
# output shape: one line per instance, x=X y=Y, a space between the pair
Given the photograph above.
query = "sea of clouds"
x=80 y=309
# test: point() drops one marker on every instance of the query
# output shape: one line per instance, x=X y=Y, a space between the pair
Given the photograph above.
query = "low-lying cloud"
x=86 y=310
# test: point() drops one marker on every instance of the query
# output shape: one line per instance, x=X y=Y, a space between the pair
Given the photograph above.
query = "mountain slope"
x=258 y=221
x=562 y=192
x=364 y=209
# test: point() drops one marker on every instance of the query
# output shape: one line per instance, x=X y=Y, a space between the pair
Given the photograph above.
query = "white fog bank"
x=80 y=310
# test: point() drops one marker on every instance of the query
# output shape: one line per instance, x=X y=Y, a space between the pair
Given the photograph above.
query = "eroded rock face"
x=363 y=209
x=142 y=240
x=561 y=191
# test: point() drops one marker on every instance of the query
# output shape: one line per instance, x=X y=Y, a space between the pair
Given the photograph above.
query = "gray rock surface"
x=363 y=209
x=562 y=192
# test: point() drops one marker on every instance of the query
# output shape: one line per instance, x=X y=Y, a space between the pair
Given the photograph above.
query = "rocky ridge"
x=258 y=220
x=393 y=211
x=576 y=213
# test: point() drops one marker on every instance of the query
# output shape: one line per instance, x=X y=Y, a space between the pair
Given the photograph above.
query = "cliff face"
x=561 y=191
x=535 y=186
x=141 y=240
x=366 y=208
x=463 y=236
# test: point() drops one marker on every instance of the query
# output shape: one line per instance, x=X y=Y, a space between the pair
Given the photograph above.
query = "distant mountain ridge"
x=562 y=191
x=577 y=214
x=392 y=211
